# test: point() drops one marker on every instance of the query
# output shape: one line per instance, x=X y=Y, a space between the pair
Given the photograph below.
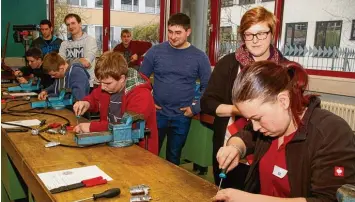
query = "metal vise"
x=27 y=87
x=346 y=193
x=118 y=135
x=55 y=102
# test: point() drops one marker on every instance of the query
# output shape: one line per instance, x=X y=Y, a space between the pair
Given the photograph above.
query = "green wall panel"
x=20 y=12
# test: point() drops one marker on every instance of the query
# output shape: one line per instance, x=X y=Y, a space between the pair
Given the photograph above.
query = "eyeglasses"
x=259 y=36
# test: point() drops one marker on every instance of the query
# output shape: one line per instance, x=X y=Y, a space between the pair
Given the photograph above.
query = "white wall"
x=310 y=11
x=231 y=16
x=313 y=11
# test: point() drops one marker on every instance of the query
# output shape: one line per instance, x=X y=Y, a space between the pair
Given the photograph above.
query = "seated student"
x=121 y=89
x=301 y=152
x=34 y=57
x=73 y=77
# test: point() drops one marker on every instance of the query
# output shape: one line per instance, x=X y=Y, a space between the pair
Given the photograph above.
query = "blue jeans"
x=176 y=128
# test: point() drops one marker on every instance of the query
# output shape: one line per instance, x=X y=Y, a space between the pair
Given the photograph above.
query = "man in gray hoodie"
x=72 y=77
x=80 y=46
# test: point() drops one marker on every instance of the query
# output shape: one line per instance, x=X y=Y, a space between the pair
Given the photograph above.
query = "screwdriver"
x=77 y=120
x=222 y=175
x=110 y=193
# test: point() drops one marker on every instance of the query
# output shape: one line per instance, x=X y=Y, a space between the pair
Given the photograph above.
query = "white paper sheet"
x=59 y=178
x=32 y=122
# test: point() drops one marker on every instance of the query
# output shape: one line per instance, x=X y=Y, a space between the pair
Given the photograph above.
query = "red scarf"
x=244 y=57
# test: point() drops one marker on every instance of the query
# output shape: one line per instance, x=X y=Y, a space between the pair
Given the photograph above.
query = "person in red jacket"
x=133 y=51
x=121 y=89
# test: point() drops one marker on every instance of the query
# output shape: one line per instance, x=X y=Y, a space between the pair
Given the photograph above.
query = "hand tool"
x=16 y=130
x=52 y=125
x=77 y=120
x=85 y=183
x=106 y=194
x=222 y=175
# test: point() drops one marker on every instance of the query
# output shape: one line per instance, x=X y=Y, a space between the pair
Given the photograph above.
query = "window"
x=226 y=33
x=245 y=2
x=352 y=35
x=227 y=3
x=129 y=5
x=152 y=6
x=98 y=37
x=77 y=2
x=296 y=34
x=85 y=28
x=98 y=4
x=328 y=34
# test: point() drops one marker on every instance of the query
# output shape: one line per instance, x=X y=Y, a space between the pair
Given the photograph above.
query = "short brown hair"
x=35 y=53
x=111 y=63
x=180 y=19
x=72 y=15
x=254 y=16
x=126 y=31
x=52 y=61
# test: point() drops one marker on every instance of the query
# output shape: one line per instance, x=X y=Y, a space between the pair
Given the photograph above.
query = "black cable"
x=47 y=140
x=12 y=112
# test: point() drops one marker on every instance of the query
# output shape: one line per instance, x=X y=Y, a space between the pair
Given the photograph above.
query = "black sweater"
x=217 y=92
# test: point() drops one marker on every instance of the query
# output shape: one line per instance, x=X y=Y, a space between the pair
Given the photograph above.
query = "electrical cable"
x=12 y=113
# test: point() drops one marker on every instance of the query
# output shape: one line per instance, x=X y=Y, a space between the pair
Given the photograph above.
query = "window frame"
x=227 y=3
x=132 y=8
x=318 y=27
x=111 y=4
x=293 y=31
x=352 y=33
x=246 y=2
x=77 y=5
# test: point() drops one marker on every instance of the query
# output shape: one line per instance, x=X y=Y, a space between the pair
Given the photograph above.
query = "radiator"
x=347 y=112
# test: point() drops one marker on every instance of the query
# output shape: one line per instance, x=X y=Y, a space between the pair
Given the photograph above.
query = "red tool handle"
x=54 y=125
x=92 y=179
x=94 y=183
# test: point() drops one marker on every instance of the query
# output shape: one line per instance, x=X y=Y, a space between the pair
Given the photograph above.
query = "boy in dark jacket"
x=121 y=89
x=72 y=77
x=47 y=42
x=35 y=69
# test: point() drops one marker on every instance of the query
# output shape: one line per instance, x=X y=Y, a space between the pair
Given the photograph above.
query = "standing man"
x=133 y=51
x=176 y=65
x=47 y=42
x=80 y=46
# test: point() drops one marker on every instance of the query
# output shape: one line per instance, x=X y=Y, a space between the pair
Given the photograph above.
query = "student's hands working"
x=43 y=95
x=79 y=109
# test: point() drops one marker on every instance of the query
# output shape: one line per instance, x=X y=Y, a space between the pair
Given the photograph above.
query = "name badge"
x=279 y=172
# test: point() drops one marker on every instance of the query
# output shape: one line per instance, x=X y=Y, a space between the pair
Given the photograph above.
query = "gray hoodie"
x=84 y=47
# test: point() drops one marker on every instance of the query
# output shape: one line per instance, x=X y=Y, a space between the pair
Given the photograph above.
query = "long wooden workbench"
x=127 y=166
